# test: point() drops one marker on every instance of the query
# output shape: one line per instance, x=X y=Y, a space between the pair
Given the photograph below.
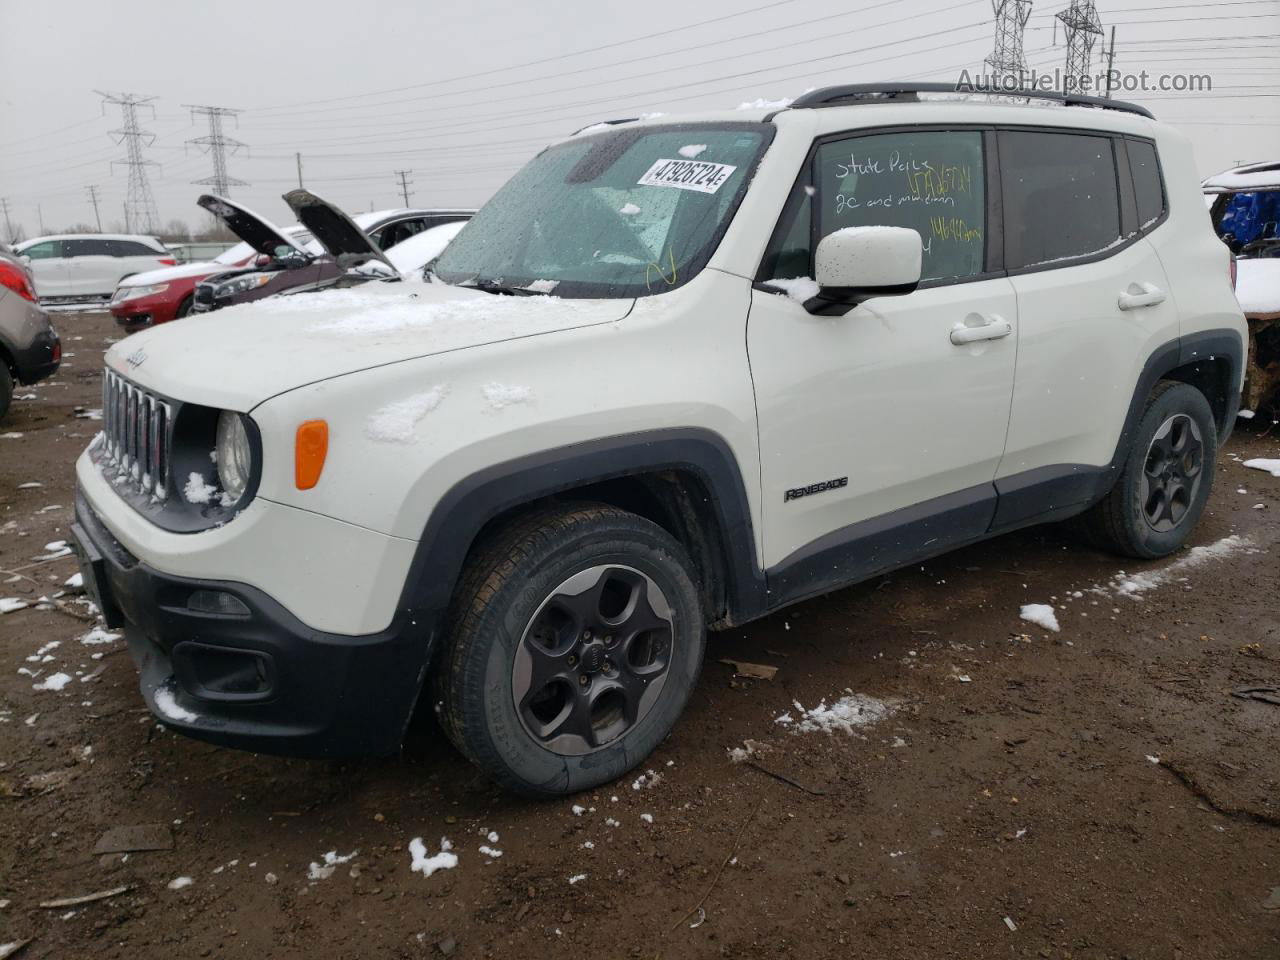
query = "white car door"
x=1094 y=303
x=92 y=270
x=49 y=268
x=881 y=431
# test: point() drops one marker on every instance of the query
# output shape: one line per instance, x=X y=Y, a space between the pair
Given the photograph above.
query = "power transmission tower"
x=8 y=227
x=1083 y=28
x=140 y=204
x=1007 y=61
x=93 y=198
x=215 y=144
x=404 y=184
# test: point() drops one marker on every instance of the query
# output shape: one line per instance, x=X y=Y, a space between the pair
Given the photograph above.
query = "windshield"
x=624 y=213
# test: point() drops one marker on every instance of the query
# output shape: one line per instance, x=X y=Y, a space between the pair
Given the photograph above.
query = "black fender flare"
x=470 y=504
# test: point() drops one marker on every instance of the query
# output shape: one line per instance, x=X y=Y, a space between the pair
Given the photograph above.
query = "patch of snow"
x=847 y=714
x=492 y=836
x=55 y=681
x=762 y=104
x=1041 y=614
x=1258 y=285
x=1245 y=414
x=427 y=865
x=168 y=706
x=691 y=150
x=647 y=817
x=197 y=491
x=332 y=860
x=11 y=604
x=798 y=289
x=1151 y=758
x=501 y=395
x=577 y=878
x=1134 y=585
x=99 y=635
x=395 y=422
x=411 y=255
x=610 y=822
x=1258 y=463
x=646 y=780
x=33 y=485
x=629 y=210
x=542 y=286
x=489 y=852
x=588 y=845
x=578 y=810
x=75 y=581
x=177 y=883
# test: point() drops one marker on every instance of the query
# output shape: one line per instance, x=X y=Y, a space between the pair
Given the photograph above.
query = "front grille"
x=204 y=294
x=136 y=434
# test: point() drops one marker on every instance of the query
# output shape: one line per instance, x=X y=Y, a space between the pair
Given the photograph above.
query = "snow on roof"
x=1258 y=285
x=143 y=238
x=1230 y=180
x=366 y=221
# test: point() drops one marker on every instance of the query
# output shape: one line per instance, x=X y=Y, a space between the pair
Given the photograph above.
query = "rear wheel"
x=576 y=639
x=184 y=308
x=1166 y=479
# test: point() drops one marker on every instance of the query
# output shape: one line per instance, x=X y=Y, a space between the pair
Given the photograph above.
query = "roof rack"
x=853 y=93
x=605 y=123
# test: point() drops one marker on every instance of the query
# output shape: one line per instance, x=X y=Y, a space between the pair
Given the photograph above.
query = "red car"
x=159 y=296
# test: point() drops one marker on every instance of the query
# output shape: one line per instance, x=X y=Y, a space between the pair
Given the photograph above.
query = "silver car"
x=29 y=348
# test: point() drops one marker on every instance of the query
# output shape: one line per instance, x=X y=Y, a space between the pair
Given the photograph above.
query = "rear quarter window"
x=1148 y=185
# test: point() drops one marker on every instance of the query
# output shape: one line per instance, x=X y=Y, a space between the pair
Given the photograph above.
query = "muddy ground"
x=1092 y=793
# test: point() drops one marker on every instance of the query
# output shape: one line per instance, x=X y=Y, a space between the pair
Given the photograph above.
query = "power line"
x=215 y=144
x=140 y=205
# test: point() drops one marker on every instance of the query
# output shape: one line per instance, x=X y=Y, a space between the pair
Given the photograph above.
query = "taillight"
x=169 y=261
x=57 y=349
x=15 y=278
x=1232 y=271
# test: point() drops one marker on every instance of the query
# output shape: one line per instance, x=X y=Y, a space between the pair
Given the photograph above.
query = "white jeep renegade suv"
x=675 y=375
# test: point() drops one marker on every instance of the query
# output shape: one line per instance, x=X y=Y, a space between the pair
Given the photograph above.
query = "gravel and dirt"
x=1005 y=791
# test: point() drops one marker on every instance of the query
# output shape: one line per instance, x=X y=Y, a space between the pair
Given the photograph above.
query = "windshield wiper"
x=493 y=286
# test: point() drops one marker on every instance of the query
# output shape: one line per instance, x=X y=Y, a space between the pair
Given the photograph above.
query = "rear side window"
x=86 y=248
x=1148 y=187
x=1060 y=196
x=130 y=248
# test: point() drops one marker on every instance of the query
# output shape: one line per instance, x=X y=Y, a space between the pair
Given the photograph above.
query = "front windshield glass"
x=623 y=213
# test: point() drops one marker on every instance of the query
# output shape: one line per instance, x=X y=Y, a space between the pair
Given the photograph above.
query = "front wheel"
x=185 y=308
x=1166 y=479
x=576 y=640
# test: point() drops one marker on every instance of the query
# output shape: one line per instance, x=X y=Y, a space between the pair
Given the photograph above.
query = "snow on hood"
x=1258 y=285
x=239 y=356
x=202 y=268
x=411 y=255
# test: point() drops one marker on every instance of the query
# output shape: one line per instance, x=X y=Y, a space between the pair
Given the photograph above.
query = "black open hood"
x=335 y=231
x=261 y=234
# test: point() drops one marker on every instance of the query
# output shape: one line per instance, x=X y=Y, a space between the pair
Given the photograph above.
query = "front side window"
x=47 y=250
x=1060 y=196
x=929 y=180
x=624 y=213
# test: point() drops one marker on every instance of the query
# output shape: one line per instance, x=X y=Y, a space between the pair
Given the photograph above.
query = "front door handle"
x=1140 y=295
x=992 y=329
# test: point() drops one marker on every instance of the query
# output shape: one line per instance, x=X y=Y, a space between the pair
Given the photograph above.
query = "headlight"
x=233 y=453
x=124 y=294
x=240 y=284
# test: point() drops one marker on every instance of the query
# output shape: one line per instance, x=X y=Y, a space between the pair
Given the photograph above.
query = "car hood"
x=257 y=231
x=340 y=236
x=237 y=357
x=1258 y=286
x=181 y=272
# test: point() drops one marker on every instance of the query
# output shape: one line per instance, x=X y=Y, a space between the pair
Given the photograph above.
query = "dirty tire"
x=1119 y=522
x=184 y=308
x=6 y=388
x=508 y=582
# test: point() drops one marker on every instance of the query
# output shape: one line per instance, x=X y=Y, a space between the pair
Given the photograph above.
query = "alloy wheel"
x=593 y=659
x=1172 y=472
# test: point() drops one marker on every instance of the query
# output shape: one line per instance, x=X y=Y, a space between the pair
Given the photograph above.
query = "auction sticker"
x=687 y=175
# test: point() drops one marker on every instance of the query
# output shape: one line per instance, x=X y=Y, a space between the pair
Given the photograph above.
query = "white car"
x=90 y=266
x=677 y=374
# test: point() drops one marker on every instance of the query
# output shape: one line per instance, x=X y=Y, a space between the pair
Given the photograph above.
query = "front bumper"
x=224 y=662
x=133 y=315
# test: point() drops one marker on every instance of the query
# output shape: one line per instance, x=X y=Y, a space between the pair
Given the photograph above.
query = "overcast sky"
x=463 y=93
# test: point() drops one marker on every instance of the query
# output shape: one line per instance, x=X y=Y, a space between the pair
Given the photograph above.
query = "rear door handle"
x=992 y=329
x=1140 y=295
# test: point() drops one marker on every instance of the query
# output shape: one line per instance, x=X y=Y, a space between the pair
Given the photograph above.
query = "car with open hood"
x=285 y=266
x=160 y=296
x=1244 y=204
x=677 y=374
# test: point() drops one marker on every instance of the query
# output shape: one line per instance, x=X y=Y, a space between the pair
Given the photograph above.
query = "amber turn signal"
x=310 y=449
